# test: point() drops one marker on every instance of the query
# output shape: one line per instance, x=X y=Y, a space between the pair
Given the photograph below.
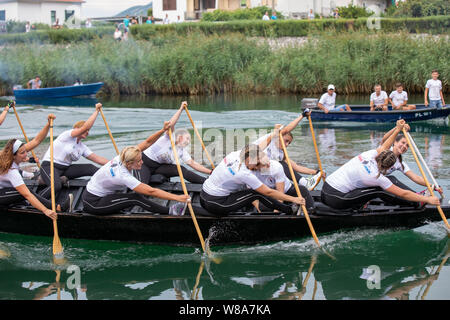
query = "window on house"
x=53 y=16
x=169 y=5
x=69 y=14
x=2 y=15
x=210 y=4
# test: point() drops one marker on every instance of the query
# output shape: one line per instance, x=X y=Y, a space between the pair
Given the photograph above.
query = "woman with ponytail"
x=12 y=187
x=363 y=178
x=399 y=147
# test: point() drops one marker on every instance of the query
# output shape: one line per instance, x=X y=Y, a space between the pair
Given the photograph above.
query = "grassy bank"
x=198 y=64
x=253 y=28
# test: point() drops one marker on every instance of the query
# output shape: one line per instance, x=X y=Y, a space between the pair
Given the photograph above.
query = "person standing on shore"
x=433 y=90
x=266 y=16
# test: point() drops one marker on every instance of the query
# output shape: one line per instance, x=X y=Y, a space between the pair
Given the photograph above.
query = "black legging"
x=151 y=167
x=357 y=198
x=113 y=203
x=237 y=200
x=11 y=196
x=71 y=172
x=293 y=193
x=288 y=173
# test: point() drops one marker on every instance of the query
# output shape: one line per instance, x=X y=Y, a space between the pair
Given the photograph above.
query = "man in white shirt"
x=266 y=16
x=327 y=101
x=35 y=83
x=399 y=99
x=311 y=14
x=378 y=99
x=433 y=89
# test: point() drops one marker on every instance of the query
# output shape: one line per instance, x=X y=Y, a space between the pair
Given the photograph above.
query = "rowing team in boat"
x=257 y=175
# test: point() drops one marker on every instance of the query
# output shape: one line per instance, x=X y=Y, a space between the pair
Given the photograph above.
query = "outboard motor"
x=310 y=103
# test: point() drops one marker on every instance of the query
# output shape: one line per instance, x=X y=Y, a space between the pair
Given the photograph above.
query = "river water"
x=411 y=264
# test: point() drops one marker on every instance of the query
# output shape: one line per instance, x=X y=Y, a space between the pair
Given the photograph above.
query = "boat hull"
x=237 y=228
x=58 y=92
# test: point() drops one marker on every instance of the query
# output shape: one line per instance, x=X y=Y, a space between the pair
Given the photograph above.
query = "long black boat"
x=136 y=225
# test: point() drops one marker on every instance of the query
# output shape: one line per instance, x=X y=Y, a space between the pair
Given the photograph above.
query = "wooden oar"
x=24 y=134
x=109 y=131
x=317 y=152
x=305 y=212
x=195 y=290
x=199 y=136
x=423 y=161
x=405 y=133
x=191 y=210
x=305 y=282
x=57 y=246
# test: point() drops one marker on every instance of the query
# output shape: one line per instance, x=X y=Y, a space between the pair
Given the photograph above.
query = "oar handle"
x=199 y=137
x=109 y=131
x=24 y=134
x=315 y=145
x=183 y=185
x=305 y=212
x=405 y=133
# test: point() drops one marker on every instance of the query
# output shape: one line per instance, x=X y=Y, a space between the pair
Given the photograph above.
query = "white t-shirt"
x=66 y=149
x=398 y=98
x=328 y=101
x=398 y=166
x=12 y=178
x=434 y=89
x=266 y=18
x=228 y=177
x=272 y=150
x=377 y=100
x=359 y=172
x=161 y=151
x=110 y=178
x=273 y=175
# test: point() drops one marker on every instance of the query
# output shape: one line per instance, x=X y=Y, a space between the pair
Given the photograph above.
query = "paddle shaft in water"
x=57 y=247
x=180 y=173
x=305 y=212
x=405 y=133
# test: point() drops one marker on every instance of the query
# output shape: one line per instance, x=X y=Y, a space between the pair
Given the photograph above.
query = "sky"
x=107 y=8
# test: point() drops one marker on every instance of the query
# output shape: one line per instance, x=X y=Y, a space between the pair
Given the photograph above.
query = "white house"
x=300 y=8
x=190 y=9
x=40 y=11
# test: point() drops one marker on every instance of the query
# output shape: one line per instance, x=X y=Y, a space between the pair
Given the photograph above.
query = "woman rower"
x=159 y=158
x=226 y=190
x=399 y=147
x=68 y=147
x=363 y=178
x=12 y=187
x=272 y=146
x=102 y=196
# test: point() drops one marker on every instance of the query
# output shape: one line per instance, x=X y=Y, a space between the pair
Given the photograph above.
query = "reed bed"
x=199 y=64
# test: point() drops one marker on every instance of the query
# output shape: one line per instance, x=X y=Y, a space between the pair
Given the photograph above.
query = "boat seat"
x=324 y=210
x=158 y=179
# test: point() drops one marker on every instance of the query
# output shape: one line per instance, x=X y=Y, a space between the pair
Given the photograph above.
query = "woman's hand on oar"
x=51 y=214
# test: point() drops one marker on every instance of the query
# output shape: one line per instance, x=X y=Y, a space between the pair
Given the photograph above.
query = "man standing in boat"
x=34 y=83
x=327 y=101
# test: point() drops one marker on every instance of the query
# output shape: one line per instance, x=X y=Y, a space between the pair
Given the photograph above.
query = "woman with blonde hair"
x=363 y=178
x=68 y=147
x=12 y=187
x=102 y=195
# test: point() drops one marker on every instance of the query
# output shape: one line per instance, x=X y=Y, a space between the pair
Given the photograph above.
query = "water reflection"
x=410 y=262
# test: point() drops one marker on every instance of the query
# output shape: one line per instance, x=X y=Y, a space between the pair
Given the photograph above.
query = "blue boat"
x=58 y=92
x=362 y=113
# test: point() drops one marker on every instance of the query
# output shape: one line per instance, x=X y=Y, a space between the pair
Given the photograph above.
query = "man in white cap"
x=327 y=101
